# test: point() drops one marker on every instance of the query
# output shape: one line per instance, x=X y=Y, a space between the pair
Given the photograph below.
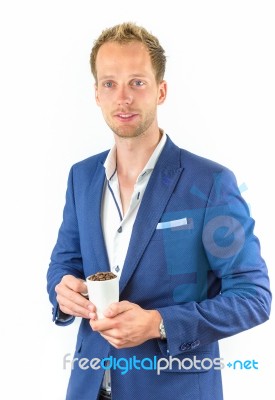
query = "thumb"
x=83 y=288
x=118 y=308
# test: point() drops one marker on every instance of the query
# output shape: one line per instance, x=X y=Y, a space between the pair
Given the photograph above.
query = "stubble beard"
x=132 y=131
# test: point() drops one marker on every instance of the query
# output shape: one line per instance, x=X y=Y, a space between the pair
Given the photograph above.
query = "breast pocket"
x=173 y=229
x=176 y=224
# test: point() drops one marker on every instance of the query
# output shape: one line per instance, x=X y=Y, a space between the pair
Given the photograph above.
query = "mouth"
x=126 y=117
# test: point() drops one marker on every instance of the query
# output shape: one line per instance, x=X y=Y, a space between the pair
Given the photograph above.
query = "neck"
x=134 y=153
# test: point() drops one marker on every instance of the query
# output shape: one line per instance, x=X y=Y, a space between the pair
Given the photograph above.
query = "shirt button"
x=117 y=268
x=119 y=229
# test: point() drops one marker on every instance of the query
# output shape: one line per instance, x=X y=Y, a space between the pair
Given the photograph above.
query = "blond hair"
x=128 y=32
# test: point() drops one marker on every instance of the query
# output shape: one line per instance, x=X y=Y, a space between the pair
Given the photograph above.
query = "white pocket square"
x=172 y=224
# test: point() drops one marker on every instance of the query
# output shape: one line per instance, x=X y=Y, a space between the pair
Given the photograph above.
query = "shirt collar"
x=110 y=162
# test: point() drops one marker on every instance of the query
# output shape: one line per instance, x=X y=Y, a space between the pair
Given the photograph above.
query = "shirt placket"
x=123 y=232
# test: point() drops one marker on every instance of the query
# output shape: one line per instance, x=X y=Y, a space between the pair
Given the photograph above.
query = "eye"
x=108 y=84
x=138 y=82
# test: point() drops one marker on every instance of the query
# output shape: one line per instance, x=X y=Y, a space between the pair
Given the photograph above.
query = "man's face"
x=126 y=90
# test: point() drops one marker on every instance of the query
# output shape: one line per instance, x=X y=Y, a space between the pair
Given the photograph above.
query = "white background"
x=220 y=105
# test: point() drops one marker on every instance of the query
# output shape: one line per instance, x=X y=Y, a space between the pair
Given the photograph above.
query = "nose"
x=125 y=96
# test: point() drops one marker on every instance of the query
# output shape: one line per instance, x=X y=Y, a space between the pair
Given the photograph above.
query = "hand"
x=127 y=324
x=70 y=299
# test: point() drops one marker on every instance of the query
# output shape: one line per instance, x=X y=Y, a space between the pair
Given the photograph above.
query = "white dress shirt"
x=117 y=228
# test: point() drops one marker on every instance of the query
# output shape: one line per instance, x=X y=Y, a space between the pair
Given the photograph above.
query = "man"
x=174 y=228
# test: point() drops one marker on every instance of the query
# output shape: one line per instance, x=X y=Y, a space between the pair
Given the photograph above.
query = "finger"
x=111 y=335
x=68 y=311
x=92 y=314
x=101 y=325
x=74 y=302
x=76 y=284
x=118 y=308
x=117 y=343
x=72 y=308
x=65 y=292
x=85 y=291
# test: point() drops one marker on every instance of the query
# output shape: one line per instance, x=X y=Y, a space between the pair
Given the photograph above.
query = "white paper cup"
x=103 y=293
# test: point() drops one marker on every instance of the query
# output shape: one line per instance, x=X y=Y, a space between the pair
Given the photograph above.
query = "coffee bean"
x=102 y=276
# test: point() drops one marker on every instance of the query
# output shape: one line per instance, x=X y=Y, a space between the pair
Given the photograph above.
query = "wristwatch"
x=162 y=330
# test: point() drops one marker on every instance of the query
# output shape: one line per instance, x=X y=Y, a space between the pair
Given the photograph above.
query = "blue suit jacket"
x=192 y=256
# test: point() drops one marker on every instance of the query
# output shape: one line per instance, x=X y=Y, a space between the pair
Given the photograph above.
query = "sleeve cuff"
x=63 y=319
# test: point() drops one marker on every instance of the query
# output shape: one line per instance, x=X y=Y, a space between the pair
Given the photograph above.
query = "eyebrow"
x=106 y=77
x=102 y=78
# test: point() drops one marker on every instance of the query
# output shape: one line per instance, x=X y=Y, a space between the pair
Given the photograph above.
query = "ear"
x=96 y=94
x=162 y=92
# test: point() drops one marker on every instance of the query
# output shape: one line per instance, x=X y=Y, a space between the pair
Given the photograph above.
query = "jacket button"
x=195 y=344
x=185 y=346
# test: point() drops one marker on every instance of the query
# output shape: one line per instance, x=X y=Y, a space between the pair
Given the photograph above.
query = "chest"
x=126 y=189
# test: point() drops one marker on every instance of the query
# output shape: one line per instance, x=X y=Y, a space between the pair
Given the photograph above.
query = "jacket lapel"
x=94 y=215
x=157 y=194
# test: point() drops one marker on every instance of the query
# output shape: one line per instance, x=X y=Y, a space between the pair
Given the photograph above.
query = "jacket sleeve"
x=66 y=256
x=243 y=299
